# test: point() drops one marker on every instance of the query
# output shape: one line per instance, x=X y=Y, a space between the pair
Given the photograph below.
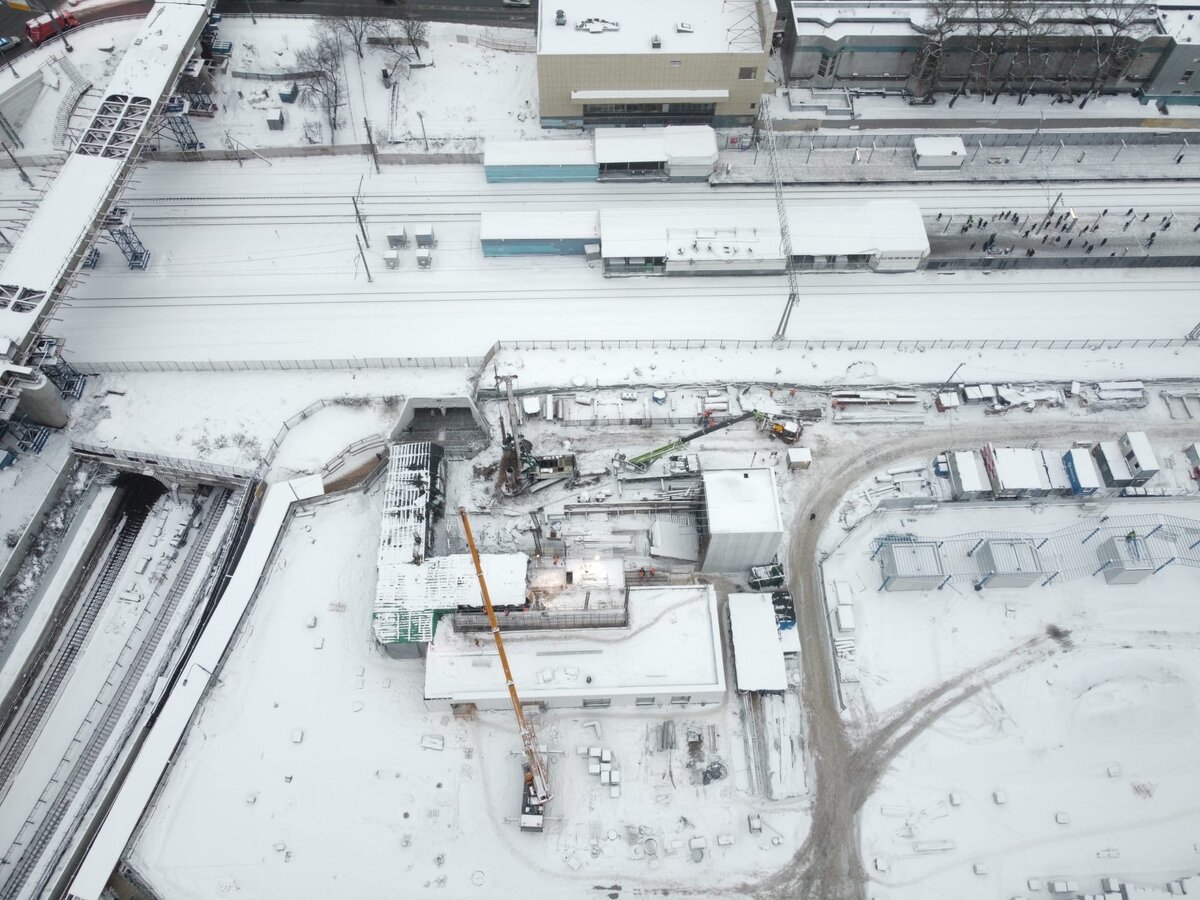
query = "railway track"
x=108 y=713
x=28 y=719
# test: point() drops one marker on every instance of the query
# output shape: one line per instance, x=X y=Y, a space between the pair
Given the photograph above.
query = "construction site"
x=399 y=516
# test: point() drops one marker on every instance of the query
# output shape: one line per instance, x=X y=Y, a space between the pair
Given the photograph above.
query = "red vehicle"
x=41 y=29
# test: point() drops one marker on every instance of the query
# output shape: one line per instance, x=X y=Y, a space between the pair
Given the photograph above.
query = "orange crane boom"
x=537 y=781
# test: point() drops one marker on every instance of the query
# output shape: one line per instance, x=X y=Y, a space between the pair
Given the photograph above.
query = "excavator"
x=535 y=791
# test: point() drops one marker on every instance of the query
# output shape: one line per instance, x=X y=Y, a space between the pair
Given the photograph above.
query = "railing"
x=911 y=345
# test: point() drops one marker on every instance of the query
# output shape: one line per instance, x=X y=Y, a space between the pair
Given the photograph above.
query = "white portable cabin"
x=1056 y=473
x=1005 y=562
x=939 y=152
x=1126 y=560
x=799 y=458
x=911 y=566
x=1081 y=472
x=1014 y=472
x=1111 y=465
x=968 y=476
x=1139 y=457
x=275 y=119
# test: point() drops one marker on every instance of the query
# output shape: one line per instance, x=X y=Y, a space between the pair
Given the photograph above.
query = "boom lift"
x=535 y=792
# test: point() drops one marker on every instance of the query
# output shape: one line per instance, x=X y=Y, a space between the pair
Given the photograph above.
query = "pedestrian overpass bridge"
x=55 y=240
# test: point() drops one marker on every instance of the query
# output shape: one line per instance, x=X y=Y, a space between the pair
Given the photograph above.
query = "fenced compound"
x=1068 y=553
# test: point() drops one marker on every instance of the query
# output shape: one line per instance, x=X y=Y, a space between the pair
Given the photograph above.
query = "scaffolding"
x=118 y=222
x=47 y=356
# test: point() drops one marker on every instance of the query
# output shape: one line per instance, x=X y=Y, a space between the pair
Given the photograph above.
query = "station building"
x=670 y=62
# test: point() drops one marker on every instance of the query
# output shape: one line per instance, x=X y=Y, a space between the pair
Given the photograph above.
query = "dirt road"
x=828 y=866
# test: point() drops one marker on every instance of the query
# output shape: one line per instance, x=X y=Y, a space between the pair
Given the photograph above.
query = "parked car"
x=9 y=43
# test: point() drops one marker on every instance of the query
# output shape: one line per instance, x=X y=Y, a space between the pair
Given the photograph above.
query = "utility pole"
x=25 y=178
x=785 y=234
x=8 y=62
x=364 y=259
x=1033 y=137
x=361 y=227
x=250 y=9
x=371 y=142
x=41 y=7
x=950 y=379
x=421 y=116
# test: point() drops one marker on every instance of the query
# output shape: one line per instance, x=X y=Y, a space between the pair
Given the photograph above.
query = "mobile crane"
x=535 y=791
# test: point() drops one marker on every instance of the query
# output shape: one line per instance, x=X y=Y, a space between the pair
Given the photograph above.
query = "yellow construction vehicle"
x=535 y=792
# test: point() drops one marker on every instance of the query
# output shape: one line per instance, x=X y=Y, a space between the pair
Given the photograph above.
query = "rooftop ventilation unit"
x=595 y=26
x=560 y=17
x=683 y=27
x=656 y=42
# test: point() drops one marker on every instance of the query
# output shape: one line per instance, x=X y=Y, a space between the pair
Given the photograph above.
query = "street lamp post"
x=40 y=6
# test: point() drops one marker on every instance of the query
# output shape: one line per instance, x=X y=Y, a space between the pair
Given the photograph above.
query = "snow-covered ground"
x=1100 y=727
x=469 y=90
x=313 y=732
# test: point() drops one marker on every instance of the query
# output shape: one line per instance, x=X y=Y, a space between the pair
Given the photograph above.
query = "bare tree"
x=415 y=32
x=355 y=29
x=994 y=46
x=1115 y=31
x=322 y=87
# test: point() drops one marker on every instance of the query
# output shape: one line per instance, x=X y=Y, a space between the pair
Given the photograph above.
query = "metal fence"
x=275 y=76
x=111 y=455
x=850 y=140
x=276 y=365
x=917 y=345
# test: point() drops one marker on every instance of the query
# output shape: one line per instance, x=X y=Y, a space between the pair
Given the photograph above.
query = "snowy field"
x=468 y=91
x=1090 y=740
x=313 y=732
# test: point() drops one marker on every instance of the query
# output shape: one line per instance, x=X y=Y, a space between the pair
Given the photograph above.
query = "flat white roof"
x=742 y=501
x=969 y=468
x=939 y=146
x=1010 y=556
x=1085 y=469
x=716 y=26
x=1016 y=468
x=672 y=645
x=572 y=152
x=757 y=649
x=496 y=226
x=1142 y=451
x=869 y=228
x=1056 y=470
x=1116 y=461
x=669 y=143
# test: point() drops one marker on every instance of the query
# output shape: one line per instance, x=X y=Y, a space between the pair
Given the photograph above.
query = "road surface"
x=829 y=863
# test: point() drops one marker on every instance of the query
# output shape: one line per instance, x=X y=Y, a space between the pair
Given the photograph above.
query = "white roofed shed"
x=757 y=650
